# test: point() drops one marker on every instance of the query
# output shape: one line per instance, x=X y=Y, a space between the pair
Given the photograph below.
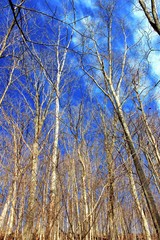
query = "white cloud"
x=154 y=59
x=86 y=3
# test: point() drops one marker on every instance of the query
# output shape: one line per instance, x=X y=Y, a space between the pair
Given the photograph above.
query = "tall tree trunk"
x=142 y=177
x=109 y=140
x=138 y=206
x=30 y=225
x=54 y=161
x=149 y=132
x=84 y=194
x=3 y=217
x=115 y=98
x=114 y=95
x=11 y=219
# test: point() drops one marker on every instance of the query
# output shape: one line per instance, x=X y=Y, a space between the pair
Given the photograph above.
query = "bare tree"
x=111 y=87
x=79 y=159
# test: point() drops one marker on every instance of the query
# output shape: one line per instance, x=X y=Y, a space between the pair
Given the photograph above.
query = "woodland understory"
x=79 y=126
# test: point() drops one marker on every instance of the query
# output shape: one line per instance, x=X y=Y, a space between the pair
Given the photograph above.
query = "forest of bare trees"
x=79 y=120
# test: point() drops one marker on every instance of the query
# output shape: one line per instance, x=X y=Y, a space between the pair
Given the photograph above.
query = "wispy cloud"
x=87 y=3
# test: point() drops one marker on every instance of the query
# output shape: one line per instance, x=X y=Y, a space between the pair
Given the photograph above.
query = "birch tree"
x=60 y=56
x=43 y=100
x=112 y=88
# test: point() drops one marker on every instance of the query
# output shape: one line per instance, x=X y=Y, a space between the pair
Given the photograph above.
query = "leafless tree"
x=104 y=75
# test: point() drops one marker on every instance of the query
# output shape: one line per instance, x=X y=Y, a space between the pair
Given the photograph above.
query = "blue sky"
x=134 y=18
x=154 y=39
x=76 y=87
x=141 y=29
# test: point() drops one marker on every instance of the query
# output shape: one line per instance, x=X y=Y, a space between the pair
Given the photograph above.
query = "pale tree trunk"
x=72 y=200
x=21 y=208
x=11 y=219
x=91 y=201
x=113 y=93
x=44 y=230
x=109 y=148
x=54 y=161
x=34 y=171
x=149 y=132
x=112 y=216
x=112 y=226
x=121 y=217
x=153 y=168
x=42 y=222
x=138 y=205
x=86 y=210
x=40 y=117
x=76 y=194
x=12 y=195
x=68 y=220
x=144 y=183
x=3 y=217
x=33 y=185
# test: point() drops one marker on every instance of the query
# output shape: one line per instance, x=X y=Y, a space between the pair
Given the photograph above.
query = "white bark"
x=3 y=216
x=11 y=219
x=61 y=60
x=138 y=206
x=150 y=135
x=114 y=95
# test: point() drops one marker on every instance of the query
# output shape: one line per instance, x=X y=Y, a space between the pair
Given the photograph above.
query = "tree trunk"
x=138 y=206
x=144 y=183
